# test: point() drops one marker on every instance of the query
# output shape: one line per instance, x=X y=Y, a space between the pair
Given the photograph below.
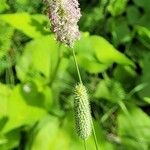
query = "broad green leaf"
x=144 y=35
x=6 y=33
x=90 y=64
x=110 y=90
x=106 y=53
x=133 y=15
x=54 y=137
x=10 y=140
x=89 y=46
x=102 y=91
x=3 y=5
x=134 y=132
x=120 y=31
x=4 y=96
x=85 y=55
x=147 y=100
x=31 y=25
x=142 y=30
x=144 y=21
x=116 y=7
x=49 y=128
x=84 y=44
x=39 y=60
x=125 y=75
x=37 y=95
x=28 y=6
x=145 y=78
x=18 y=111
x=143 y=3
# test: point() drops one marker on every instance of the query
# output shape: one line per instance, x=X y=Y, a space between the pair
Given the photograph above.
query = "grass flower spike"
x=82 y=112
x=64 y=16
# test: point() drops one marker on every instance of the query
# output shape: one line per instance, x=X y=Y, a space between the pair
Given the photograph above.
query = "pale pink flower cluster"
x=64 y=16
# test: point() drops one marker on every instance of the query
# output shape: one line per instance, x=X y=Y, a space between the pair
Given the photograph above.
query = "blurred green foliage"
x=37 y=76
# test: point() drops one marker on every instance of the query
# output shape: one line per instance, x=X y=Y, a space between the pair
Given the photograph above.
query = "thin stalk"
x=94 y=135
x=84 y=144
x=80 y=79
x=75 y=60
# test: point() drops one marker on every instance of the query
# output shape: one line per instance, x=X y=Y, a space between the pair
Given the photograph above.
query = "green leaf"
x=143 y=3
x=110 y=90
x=3 y=5
x=125 y=75
x=106 y=53
x=145 y=78
x=39 y=60
x=10 y=140
x=147 y=100
x=85 y=55
x=6 y=33
x=116 y=7
x=133 y=15
x=120 y=30
x=144 y=35
x=134 y=134
x=89 y=46
x=18 y=111
x=5 y=92
x=31 y=25
x=90 y=64
x=49 y=129
x=84 y=45
x=36 y=95
x=144 y=21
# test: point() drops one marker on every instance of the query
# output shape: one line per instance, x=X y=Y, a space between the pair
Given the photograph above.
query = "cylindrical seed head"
x=82 y=112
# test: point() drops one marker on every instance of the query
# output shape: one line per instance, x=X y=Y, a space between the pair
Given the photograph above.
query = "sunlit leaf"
x=106 y=53
x=134 y=134
x=90 y=64
x=31 y=25
x=10 y=140
x=38 y=60
x=19 y=112
x=110 y=90
x=117 y=7
x=6 y=33
x=3 y=5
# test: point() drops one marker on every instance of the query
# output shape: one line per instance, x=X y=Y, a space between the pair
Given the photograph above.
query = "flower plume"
x=64 y=16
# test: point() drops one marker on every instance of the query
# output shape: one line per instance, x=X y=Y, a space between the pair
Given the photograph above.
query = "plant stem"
x=85 y=145
x=79 y=75
x=94 y=135
x=75 y=60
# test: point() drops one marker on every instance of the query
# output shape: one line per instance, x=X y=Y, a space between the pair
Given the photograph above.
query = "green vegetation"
x=38 y=75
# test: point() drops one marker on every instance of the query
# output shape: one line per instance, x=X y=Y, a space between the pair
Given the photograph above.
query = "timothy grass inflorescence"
x=64 y=16
x=82 y=112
